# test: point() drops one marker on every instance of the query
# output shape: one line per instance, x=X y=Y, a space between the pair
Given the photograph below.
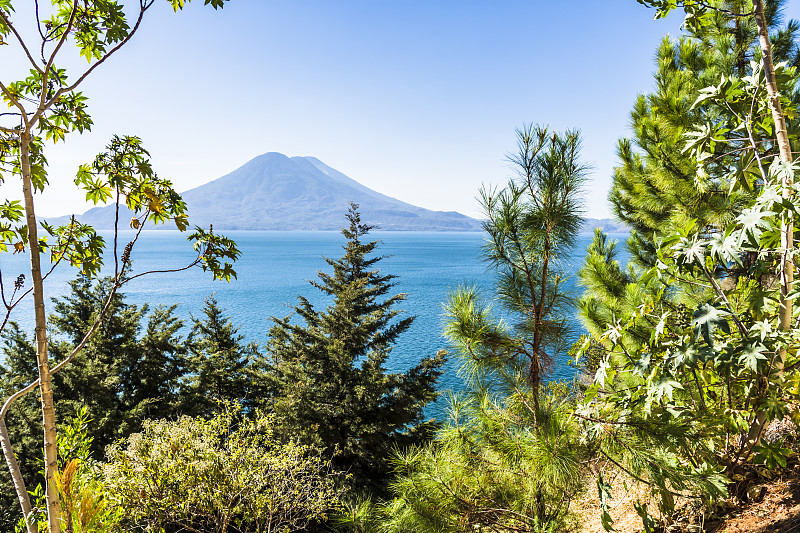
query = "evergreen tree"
x=94 y=378
x=18 y=368
x=532 y=226
x=126 y=373
x=326 y=368
x=658 y=184
x=509 y=457
x=151 y=385
x=221 y=364
x=693 y=366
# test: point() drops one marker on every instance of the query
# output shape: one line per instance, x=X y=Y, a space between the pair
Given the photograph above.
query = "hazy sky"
x=417 y=99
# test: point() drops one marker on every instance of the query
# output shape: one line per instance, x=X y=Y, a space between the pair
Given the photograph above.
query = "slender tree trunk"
x=48 y=409
x=782 y=136
x=16 y=476
x=787 y=223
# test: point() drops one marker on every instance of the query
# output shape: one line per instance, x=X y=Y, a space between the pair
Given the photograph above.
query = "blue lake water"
x=275 y=268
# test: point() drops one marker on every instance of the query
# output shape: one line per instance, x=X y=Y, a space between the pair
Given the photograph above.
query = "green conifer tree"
x=94 y=379
x=151 y=385
x=220 y=361
x=658 y=184
x=509 y=457
x=327 y=370
x=126 y=374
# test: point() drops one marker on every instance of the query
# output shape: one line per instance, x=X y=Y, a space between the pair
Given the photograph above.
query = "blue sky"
x=417 y=99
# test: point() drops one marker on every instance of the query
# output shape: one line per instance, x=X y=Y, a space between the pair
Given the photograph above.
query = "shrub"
x=223 y=474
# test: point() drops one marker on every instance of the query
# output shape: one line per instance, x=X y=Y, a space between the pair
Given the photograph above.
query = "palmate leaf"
x=770 y=195
x=642 y=366
x=751 y=354
x=690 y=251
x=663 y=388
x=706 y=320
x=772 y=455
x=725 y=248
x=688 y=355
x=754 y=222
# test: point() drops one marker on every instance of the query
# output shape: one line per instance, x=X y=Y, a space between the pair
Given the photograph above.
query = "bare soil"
x=760 y=506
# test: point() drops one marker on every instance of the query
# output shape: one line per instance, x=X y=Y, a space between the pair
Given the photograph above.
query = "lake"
x=275 y=268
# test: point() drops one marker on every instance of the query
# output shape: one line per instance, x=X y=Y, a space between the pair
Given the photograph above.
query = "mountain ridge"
x=275 y=192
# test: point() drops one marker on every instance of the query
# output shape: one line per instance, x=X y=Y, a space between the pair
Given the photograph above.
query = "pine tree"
x=151 y=384
x=327 y=368
x=688 y=327
x=658 y=185
x=221 y=363
x=532 y=226
x=509 y=457
x=95 y=377
x=18 y=368
x=129 y=371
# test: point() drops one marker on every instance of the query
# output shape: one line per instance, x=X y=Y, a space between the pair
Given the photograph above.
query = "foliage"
x=697 y=361
x=218 y=475
x=24 y=421
x=532 y=225
x=85 y=502
x=659 y=184
x=221 y=365
x=328 y=384
x=42 y=109
x=128 y=371
x=505 y=461
x=491 y=469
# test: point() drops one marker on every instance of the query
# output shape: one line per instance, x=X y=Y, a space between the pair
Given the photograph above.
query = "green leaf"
x=751 y=354
x=648 y=522
x=604 y=495
x=707 y=319
x=663 y=388
x=772 y=455
x=725 y=248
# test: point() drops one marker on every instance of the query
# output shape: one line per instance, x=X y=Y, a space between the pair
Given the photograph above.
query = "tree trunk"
x=48 y=409
x=787 y=223
x=16 y=476
x=782 y=136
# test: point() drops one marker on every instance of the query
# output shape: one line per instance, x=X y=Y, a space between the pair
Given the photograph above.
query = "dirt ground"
x=773 y=507
x=776 y=509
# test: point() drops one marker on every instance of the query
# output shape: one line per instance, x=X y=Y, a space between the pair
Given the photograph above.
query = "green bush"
x=217 y=475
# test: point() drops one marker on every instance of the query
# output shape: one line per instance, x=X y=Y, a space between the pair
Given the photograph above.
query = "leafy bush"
x=223 y=474
x=85 y=503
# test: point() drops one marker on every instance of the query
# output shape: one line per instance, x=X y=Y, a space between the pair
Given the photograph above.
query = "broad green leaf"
x=751 y=354
x=707 y=319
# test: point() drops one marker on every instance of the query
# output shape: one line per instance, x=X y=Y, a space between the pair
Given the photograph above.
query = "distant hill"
x=276 y=192
x=608 y=225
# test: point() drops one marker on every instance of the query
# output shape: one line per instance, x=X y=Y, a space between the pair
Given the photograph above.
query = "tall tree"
x=532 y=226
x=46 y=106
x=221 y=364
x=508 y=460
x=697 y=339
x=659 y=184
x=130 y=371
x=327 y=368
